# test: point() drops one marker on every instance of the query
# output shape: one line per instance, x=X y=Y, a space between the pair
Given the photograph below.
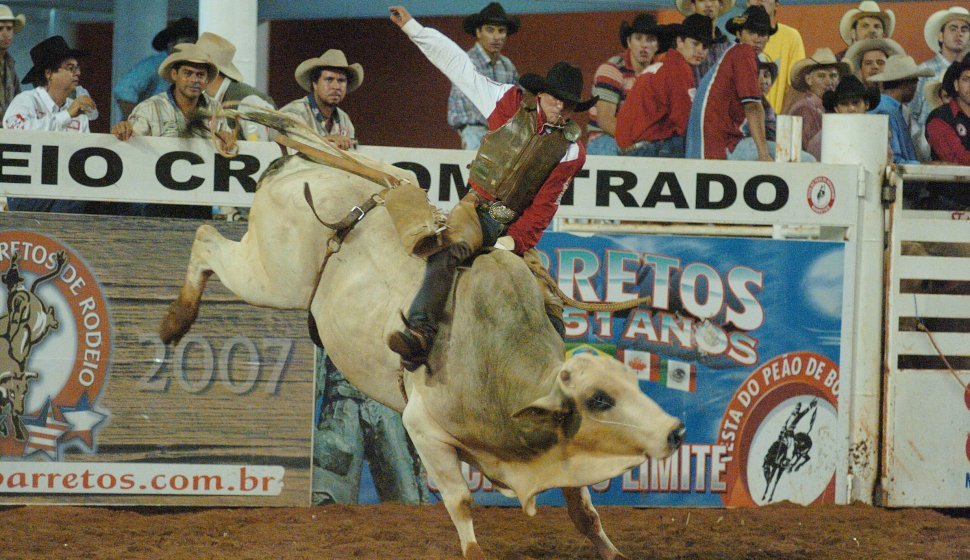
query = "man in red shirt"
x=653 y=121
x=516 y=179
x=948 y=126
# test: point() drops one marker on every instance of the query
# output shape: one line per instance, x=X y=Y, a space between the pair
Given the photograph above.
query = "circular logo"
x=781 y=431
x=961 y=129
x=55 y=345
x=821 y=195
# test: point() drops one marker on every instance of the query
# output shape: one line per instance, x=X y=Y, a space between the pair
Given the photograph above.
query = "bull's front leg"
x=584 y=517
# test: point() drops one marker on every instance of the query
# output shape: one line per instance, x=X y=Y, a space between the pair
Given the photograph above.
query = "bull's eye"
x=600 y=401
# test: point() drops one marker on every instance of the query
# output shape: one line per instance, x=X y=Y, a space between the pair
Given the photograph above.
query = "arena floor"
x=781 y=531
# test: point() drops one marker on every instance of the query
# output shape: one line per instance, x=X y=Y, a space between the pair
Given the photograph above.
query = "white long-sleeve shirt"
x=36 y=110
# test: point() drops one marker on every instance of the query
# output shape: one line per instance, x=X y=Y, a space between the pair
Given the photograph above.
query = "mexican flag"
x=673 y=374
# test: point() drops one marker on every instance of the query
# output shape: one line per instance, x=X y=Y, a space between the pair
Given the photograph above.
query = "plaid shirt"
x=461 y=111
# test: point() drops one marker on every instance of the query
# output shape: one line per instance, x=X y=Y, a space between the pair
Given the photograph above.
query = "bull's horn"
x=30 y=374
x=5 y=376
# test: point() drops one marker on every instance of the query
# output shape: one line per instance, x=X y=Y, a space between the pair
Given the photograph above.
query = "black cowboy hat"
x=850 y=87
x=754 y=18
x=563 y=81
x=48 y=53
x=185 y=27
x=953 y=74
x=643 y=23
x=696 y=26
x=495 y=14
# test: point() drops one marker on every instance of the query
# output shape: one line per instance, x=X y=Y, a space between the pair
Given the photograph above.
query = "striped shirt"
x=461 y=111
x=612 y=83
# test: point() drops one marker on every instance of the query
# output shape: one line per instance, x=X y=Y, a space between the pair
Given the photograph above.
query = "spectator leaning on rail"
x=9 y=84
x=869 y=56
x=653 y=121
x=491 y=27
x=767 y=75
x=868 y=21
x=948 y=126
x=899 y=82
x=614 y=79
x=143 y=81
x=52 y=105
x=850 y=96
x=516 y=179
x=328 y=79
x=814 y=76
x=784 y=46
x=712 y=9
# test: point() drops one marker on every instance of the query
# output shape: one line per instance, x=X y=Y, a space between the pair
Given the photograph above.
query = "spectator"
x=767 y=74
x=712 y=9
x=730 y=95
x=653 y=121
x=491 y=27
x=785 y=47
x=51 y=106
x=814 y=76
x=947 y=126
x=947 y=33
x=328 y=79
x=143 y=81
x=850 y=96
x=9 y=84
x=867 y=21
x=899 y=81
x=614 y=79
x=869 y=56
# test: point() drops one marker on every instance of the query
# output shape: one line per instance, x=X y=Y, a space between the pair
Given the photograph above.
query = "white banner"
x=181 y=171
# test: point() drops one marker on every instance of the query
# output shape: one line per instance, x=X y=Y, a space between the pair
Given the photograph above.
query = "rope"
x=921 y=327
x=547 y=279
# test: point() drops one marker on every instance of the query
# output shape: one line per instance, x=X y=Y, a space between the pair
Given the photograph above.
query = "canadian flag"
x=673 y=374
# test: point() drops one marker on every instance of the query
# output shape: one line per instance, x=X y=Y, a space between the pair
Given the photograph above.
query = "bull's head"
x=596 y=409
x=15 y=389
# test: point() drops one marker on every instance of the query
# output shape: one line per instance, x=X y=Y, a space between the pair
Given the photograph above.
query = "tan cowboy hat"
x=821 y=57
x=186 y=53
x=933 y=93
x=931 y=31
x=685 y=7
x=333 y=58
x=901 y=67
x=221 y=51
x=858 y=49
x=866 y=9
x=6 y=14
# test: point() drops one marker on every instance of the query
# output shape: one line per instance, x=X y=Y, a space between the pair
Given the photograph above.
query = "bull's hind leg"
x=184 y=310
x=585 y=518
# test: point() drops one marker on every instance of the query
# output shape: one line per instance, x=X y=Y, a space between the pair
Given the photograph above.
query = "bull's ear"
x=540 y=424
x=551 y=404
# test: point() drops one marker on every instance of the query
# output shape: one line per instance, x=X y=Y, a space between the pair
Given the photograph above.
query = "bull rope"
x=543 y=275
x=920 y=326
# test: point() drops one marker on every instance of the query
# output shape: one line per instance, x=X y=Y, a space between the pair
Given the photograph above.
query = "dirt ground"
x=426 y=533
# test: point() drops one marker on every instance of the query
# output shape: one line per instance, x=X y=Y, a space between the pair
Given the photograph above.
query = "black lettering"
x=422 y=174
x=567 y=195
x=243 y=174
x=76 y=167
x=751 y=193
x=728 y=186
x=656 y=194
x=163 y=171
x=450 y=175
x=48 y=165
x=605 y=187
x=6 y=162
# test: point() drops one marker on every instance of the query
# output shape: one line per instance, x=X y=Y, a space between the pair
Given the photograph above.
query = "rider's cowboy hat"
x=564 y=82
x=931 y=31
x=333 y=58
x=494 y=14
x=901 y=67
x=685 y=8
x=820 y=58
x=221 y=51
x=858 y=49
x=866 y=9
x=6 y=14
x=47 y=53
x=190 y=53
x=185 y=27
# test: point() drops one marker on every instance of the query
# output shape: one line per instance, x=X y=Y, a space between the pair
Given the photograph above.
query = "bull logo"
x=790 y=452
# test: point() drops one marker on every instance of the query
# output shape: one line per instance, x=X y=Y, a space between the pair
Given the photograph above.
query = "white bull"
x=499 y=394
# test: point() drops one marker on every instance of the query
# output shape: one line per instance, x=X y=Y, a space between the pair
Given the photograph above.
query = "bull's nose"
x=676 y=436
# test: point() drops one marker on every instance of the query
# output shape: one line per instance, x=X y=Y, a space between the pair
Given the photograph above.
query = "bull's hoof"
x=177 y=322
x=474 y=552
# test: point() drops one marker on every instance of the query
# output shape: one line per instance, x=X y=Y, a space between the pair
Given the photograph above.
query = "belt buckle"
x=500 y=212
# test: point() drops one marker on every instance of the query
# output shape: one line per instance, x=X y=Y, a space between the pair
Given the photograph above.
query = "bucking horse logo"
x=790 y=452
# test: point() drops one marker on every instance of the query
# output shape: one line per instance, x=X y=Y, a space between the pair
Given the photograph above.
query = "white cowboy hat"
x=685 y=7
x=221 y=51
x=868 y=8
x=858 y=49
x=189 y=52
x=821 y=57
x=6 y=14
x=931 y=31
x=333 y=58
x=901 y=67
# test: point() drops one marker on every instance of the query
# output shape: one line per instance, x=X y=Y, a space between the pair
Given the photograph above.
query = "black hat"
x=698 y=27
x=754 y=18
x=185 y=27
x=850 y=87
x=495 y=14
x=953 y=74
x=47 y=54
x=643 y=23
x=563 y=81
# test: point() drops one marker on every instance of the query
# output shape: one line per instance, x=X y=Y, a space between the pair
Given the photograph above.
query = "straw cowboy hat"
x=858 y=49
x=494 y=14
x=187 y=53
x=333 y=58
x=47 y=53
x=685 y=7
x=933 y=93
x=821 y=57
x=866 y=9
x=6 y=14
x=931 y=31
x=221 y=51
x=850 y=88
x=564 y=82
x=185 y=27
x=901 y=67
